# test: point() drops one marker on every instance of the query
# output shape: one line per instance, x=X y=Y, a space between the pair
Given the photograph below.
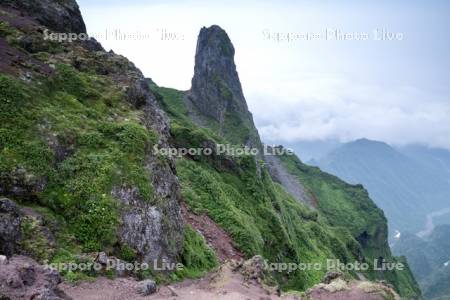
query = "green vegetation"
x=197 y=257
x=348 y=206
x=73 y=132
x=70 y=139
x=428 y=259
x=34 y=241
x=262 y=218
x=258 y=214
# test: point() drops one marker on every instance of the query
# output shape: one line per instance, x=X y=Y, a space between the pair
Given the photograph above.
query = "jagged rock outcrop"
x=154 y=231
x=216 y=95
x=60 y=16
x=215 y=85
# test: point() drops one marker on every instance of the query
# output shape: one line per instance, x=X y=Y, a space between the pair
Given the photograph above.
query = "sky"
x=310 y=70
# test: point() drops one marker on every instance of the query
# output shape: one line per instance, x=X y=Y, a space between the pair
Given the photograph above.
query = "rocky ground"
x=226 y=283
x=22 y=278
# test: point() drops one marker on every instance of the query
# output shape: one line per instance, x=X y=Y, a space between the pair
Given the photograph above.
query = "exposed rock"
x=10 y=222
x=139 y=93
x=292 y=185
x=21 y=183
x=34 y=43
x=92 y=45
x=23 y=231
x=214 y=72
x=102 y=258
x=141 y=227
x=338 y=288
x=253 y=268
x=3 y=260
x=216 y=91
x=108 y=263
x=153 y=231
x=60 y=16
x=23 y=278
x=147 y=287
x=330 y=276
x=160 y=226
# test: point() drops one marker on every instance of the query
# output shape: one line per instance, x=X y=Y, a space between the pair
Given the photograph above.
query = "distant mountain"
x=435 y=159
x=309 y=151
x=408 y=183
x=429 y=259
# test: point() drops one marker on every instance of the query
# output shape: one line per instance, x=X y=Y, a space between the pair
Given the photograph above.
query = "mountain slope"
x=81 y=163
x=429 y=259
x=77 y=126
x=395 y=181
x=239 y=193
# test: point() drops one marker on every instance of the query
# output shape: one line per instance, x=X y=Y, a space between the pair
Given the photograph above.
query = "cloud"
x=327 y=107
x=394 y=91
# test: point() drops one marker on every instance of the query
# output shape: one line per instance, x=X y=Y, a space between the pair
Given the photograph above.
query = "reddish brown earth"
x=227 y=283
x=224 y=284
x=216 y=237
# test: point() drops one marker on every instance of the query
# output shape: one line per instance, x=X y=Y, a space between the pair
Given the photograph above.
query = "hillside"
x=84 y=177
x=429 y=259
x=241 y=196
x=397 y=181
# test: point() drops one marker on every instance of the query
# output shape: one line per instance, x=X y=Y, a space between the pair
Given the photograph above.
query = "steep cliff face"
x=215 y=99
x=78 y=124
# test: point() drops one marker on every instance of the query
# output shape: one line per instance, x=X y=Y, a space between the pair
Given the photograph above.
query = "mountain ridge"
x=395 y=180
x=86 y=184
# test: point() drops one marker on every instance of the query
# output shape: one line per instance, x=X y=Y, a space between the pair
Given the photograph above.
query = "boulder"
x=253 y=268
x=147 y=287
x=330 y=276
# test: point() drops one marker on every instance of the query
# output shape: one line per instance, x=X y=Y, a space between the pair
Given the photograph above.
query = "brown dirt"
x=224 y=284
x=314 y=201
x=216 y=237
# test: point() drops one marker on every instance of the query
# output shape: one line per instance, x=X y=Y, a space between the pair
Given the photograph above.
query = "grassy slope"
x=349 y=206
x=104 y=140
x=261 y=217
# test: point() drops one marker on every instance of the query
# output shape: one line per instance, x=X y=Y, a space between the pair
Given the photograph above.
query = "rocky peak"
x=216 y=85
x=57 y=15
x=216 y=91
